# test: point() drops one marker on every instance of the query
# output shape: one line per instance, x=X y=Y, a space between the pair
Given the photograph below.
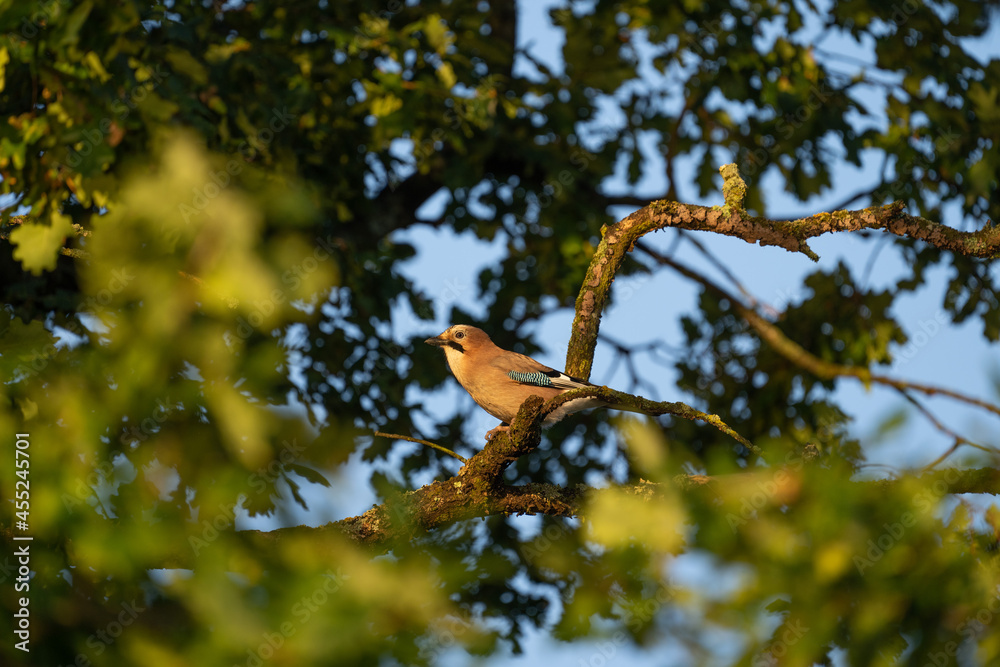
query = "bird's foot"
x=502 y=428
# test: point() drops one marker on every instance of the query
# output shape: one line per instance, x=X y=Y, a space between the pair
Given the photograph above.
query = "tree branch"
x=426 y=443
x=798 y=355
x=455 y=499
x=619 y=399
x=478 y=490
x=732 y=220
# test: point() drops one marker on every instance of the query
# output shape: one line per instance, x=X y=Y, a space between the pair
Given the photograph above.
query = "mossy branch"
x=732 y=220
x=443 y=503
x=798 y=355
x=621 y=400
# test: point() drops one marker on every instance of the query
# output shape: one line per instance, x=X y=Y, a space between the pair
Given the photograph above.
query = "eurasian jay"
x=499 y=380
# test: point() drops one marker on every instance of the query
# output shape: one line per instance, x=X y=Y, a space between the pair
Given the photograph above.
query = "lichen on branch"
x=731 y=219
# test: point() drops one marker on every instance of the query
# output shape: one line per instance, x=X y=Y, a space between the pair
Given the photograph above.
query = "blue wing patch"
x=536 y=379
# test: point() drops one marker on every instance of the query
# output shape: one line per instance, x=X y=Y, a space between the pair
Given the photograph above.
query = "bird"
x=500 y=380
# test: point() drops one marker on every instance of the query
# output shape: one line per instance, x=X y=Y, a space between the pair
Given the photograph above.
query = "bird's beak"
x=437 y=341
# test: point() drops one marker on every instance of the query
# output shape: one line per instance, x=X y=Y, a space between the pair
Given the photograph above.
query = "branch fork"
x=478 y=489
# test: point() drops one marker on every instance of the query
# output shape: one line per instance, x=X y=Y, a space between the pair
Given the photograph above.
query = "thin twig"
x=620 y=400
x=881 y=243
x=959 y=440
x=801 y=357
x=930 y=417
x=722 y=268
x=432 y=445
x=927 y=389
x=922 y=409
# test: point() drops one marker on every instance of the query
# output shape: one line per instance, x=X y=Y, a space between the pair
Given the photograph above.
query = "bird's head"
x=460 y=338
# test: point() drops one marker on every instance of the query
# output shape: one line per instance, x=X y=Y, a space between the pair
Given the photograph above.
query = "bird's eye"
x=459 y=334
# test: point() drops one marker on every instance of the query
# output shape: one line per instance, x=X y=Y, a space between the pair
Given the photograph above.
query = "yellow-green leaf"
x=437 y=33
x=4 y=59
x=182 y=61
x=385 y=105
x=94 y=64
x=619 y=518
x=447 y=74
x=37 y=246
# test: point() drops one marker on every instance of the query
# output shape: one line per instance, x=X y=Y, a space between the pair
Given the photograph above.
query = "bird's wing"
x=554 y=379
x=525 y=370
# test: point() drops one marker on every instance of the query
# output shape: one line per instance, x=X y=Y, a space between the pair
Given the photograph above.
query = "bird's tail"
x=586 y=403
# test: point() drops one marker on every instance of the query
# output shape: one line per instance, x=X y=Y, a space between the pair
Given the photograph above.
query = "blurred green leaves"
x=38 y=245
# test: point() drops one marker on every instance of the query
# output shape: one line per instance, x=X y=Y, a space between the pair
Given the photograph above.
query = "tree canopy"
x=206 y=209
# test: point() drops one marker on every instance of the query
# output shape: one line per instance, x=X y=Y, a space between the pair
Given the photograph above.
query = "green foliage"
x=213 y=198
